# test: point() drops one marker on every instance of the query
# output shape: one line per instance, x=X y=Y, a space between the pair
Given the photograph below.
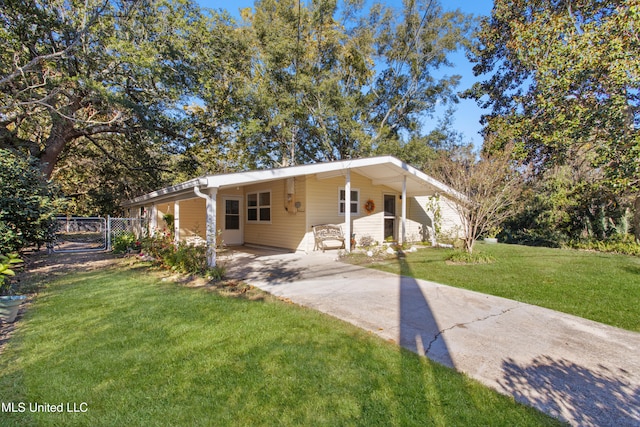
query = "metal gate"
x=86 y=234
x=80 y=234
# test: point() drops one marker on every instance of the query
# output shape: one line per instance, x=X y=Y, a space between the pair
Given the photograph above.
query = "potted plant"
x=492 y=235
x=9 y=304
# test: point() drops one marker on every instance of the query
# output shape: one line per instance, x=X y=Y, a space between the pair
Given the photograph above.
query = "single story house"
x=379 y=197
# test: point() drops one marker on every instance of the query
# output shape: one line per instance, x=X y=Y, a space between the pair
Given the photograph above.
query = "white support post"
x=212 y=233
x=154 y=219
x=176 y=221
x=211 y=226
x=108 y=232
x=347 y=211
x=403 y=234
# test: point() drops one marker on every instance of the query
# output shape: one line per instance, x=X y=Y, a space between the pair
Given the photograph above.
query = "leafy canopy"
x=562 y=80
x=28 y=203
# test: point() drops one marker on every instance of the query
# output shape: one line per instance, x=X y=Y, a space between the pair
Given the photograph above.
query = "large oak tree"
x=562 y=81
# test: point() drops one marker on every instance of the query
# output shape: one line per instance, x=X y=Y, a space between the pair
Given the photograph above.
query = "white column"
x=154 y=219
x=212 y=229
x=176 y=221
x=347 y=211
x=403 y=233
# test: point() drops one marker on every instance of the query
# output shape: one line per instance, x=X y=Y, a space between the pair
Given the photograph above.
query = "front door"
x=232 y=223
x=390 y=217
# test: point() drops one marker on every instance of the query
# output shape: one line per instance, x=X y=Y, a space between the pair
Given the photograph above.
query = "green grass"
x=140 y=351
x=597 y=286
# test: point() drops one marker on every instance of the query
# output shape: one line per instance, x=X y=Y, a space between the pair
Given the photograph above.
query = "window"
x=232 y=214
x=355 y=198
x=259 y=207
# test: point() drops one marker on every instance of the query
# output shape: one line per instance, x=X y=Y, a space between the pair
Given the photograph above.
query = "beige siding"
x=419 y=220
x=193 y=218
x=161 y=210
x=451 y=222
x=315 y=201
x=287 y=227
x=324 y=208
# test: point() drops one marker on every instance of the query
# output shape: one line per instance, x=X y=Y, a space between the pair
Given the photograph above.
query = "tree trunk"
x=636 y=218
x=62 y=132
x=468 y=243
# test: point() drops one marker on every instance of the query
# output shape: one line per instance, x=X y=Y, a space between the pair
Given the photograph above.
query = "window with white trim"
x=259 y=207
x=355 y=198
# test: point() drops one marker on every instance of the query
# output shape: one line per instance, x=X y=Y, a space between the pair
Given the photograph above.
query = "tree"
x=331 y=82
x=85 y=71
x=101 y=86
x=28 y=203
x=563 y=79
x=489 y=184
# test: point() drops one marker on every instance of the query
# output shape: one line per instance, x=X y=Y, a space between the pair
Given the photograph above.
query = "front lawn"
x=597 y=286
x=125 y=348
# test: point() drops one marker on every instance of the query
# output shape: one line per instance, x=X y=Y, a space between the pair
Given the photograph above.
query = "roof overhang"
x=385 y=170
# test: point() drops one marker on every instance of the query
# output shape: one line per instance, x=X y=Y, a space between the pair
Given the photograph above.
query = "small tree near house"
x=489 y=185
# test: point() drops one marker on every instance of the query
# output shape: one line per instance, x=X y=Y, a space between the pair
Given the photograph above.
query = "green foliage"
x=188 y=258
x=125 y=242
x=561 y=82
x=95 y=90
x=464 y=257
x=28 y=203
x=568 y=203
x=291 y=83
x=621 y=245
x=332 y=84
x=7 y=264
x=181 y=256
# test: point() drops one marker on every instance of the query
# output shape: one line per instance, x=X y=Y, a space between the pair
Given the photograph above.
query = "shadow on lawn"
x=566 y=390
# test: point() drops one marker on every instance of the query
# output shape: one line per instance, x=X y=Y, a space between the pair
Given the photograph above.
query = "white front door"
x=232 y=223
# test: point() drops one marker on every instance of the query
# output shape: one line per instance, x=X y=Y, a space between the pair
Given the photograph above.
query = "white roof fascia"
x=167 y=192
x=333 y=168
x=432 y=181
x=250 y=177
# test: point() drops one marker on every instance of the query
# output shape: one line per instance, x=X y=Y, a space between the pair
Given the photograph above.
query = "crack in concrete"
x=482 y=319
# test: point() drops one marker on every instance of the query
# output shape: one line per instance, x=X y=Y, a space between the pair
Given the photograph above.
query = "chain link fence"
x=119 y=226
x=75 y=234
x=85 y=234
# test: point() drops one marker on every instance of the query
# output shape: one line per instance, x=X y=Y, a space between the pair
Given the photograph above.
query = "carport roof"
x=383 y=170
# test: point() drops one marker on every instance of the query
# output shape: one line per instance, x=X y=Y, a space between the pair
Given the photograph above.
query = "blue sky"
x=467 y=114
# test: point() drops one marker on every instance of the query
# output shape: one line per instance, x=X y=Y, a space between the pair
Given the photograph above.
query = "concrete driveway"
x=573 y=369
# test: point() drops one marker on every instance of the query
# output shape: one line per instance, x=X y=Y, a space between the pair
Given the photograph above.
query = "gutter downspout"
x=211 y=220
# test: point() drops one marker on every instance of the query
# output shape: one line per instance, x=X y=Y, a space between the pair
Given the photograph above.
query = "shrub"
x=28 y=203
x=181 y=256
x=125 y=242
x=617 y=244
x=464 y=257
x=367 y=241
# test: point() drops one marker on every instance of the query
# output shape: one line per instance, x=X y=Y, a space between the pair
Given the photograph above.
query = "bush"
x=617 y=244
x=464 y=257
x=367 y=241
x=125 y=242
x=181 y=257
x=28 y=203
